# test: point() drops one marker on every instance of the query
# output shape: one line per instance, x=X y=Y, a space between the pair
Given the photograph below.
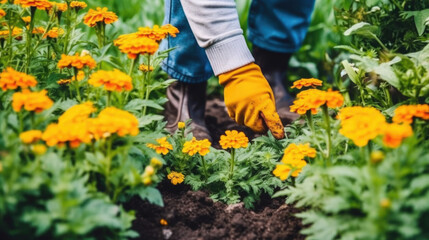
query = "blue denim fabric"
x=275 y=25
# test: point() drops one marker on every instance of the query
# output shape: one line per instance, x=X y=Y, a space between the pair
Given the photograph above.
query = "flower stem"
x=328 y=133
x=203 y=161
x=146 y=83
x=76 y=84
x=109 y=97
x=29 y=38
x=313 y=130
x=232 y=163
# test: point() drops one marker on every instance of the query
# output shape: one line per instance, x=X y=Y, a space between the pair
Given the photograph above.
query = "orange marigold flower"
x=112 y=80
x=394 y=134
x=307 y=82
x=39 y=4
x=163 y=222
x=55 y=32
x=176 y=177
x=100 y=15
x=16 y=33
x=61 y=133
x=11 y=79
x=38 y=149
x=233 y=139
x=80 y=77
x=2 y=13
x=31 y=101
x=361 y=124
x=406 y=113
x=137 y=46
x=293 y=160
x=30 y=136
x=78 y=5
x=157 y=33
x=312 y=99
x=112 y=120
x=76 y=61
x=163 y=146
x=38 y=30
x=26 y=19
x=77 y=113
x=297 y=152
x=61 y=7
x=197 y=146
x=181 y=125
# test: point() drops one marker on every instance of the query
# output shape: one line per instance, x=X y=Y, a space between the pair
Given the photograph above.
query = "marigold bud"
x=1 y=167
x=385 y=203
x=163 y=222
x=149 y=171
x=377 y=157
x=147 y=180
x=156 y=163
x=38 y=149
x=181 y=125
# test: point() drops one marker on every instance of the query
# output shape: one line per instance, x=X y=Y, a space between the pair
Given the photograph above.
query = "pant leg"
x=187 y=62
x=279 y=25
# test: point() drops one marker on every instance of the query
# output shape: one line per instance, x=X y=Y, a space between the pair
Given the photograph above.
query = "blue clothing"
x=275 y=25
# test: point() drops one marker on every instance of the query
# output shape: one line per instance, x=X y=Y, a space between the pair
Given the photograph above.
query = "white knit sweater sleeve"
x=216 y=27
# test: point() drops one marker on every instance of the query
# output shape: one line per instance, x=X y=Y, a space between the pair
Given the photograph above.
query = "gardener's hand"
x=250 y=100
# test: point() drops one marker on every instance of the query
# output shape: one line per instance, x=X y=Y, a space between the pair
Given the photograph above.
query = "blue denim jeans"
x=275 y=25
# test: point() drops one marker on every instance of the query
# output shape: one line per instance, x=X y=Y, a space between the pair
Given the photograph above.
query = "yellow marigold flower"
x=298 y=152
x=31 y=101
x=283 y=170
x=139 y=46
x=377 y=156
x=197 y=146
x=163 y=146
x=163 y=222
x=394 y=134
x=100 y=15
x=77 y=113
x=73 y=133
x=26 y=19
x=176 y=177
x=233 y=139
x=156 y=163
x=112 y=120
x=76 y=61
x=11 y=79
x=385 y=203
x=406 y=113
x=39 y=149
x=145 y=68
x=157 y=33
x=64 y=81
x=30 y=136
x=361 y=124
x=181 y=125
x=78 y=5
x=312 y=99
x=55 y=32
x=111 y=80
x=39 y=4
x=146 y=180
x=307 y=82
x=2 y=13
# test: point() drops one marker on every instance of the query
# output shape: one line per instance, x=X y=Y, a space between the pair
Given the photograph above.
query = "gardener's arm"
x=248 y=96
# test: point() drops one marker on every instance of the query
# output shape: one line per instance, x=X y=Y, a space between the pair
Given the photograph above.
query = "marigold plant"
x=77 y=113
x=114 y=121
x=194 y=146
x=31 y=101
x=233 y=139
x=293 y=160
x=12 y=79
x=39 y=4
x=111 y=80
x=163 y=146
x=78 y=5
x=312 y=99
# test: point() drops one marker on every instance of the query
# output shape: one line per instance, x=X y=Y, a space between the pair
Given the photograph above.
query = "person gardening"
x=211 y=41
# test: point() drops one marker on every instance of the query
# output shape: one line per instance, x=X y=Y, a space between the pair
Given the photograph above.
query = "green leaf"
x=421 y=19
x=361 y=28
x=152 y=195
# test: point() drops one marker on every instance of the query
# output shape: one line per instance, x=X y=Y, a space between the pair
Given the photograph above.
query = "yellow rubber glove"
x=250 y=100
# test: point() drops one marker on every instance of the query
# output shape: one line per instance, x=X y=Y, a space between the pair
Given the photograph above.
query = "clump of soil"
x=194 y=215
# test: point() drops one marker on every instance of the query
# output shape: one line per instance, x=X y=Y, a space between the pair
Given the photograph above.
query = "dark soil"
x=193 y=215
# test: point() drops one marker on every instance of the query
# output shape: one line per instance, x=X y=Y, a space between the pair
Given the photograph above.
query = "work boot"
x=187 y=101
x=274 y=66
